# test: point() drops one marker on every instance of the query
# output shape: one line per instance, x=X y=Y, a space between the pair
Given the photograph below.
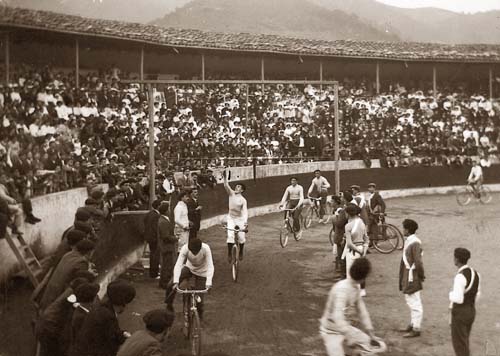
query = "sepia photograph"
x=249 y=177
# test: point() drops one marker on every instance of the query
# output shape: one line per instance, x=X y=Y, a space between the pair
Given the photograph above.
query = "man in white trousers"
x=182 y=223
x=356 y=240
x=237 y=216
x=411 y=277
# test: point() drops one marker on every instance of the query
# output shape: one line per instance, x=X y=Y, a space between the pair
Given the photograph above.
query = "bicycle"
x=387 y=236
x=465 y=195
x=192 y=323
x=312 y=211
x=287 y=228
x=235 y=251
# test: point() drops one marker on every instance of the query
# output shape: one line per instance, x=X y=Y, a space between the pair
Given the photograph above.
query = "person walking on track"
x=411 y=277
x=466 y=290
x=194 y=213
x=181 y=217
x=237 y=216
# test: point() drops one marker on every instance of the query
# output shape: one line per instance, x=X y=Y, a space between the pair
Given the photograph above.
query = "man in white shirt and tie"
x=182 y=223
x=463 y=297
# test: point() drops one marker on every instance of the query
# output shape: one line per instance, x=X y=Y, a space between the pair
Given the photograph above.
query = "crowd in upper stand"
x=55 y=137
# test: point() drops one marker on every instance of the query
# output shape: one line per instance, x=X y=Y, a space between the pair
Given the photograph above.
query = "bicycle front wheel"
x=464 y=196
x=284 y=235
x=387 y=239
x=195 y=335
x=308 y=217
x=485 y=195
x=234 y=262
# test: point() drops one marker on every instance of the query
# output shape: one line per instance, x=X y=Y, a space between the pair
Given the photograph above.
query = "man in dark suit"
x=194 y=213
x=376 y=206
x=74 y=261
x=100 y=334
x=167 y=243
x=151 y=237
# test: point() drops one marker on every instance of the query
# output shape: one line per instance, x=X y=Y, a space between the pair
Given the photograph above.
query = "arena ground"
x=275 y=306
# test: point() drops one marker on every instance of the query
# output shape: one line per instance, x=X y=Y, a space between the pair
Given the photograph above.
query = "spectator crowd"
x=54 y=136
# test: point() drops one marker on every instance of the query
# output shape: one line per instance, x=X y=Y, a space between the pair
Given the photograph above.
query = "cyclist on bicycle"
x=195 y=260
x=293 y=199
x=237 y=216
x=376 y=206
x=319 y=189
x=475 y=179
x=335 y=327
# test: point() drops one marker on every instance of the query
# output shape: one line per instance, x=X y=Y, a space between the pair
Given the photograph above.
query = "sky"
x=453 y=5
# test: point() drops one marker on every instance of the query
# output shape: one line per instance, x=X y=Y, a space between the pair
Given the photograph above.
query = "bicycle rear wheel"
x=387 y=239
x=308 y=217
x=284 y=231
x=297 y=235
x=234 y=262
x=331 y=235
x=195 y=334
x=401 y=239
x=328 y=213
x=464 y=196
x=485 y=195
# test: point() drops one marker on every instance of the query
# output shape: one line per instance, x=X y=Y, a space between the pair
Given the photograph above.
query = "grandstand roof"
x=244 y=42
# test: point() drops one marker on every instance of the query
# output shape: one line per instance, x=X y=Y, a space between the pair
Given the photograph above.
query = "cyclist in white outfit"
x=475 y=178
x=237 y=216
x=293 y=199
x=319 y=189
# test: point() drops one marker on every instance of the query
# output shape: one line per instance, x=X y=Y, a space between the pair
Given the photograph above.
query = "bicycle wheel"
x=308 y=218
x=234 y=262
x=195 y=334
x=485 y=195
x=331 y=235
x=297 y=235
x=464 y=196
x=387 y=239
x=401 y=239
x=284 y=231
x=328 y=213
x=186 y=302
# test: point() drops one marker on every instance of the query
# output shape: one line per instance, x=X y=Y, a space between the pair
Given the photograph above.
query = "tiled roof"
x=411 y=51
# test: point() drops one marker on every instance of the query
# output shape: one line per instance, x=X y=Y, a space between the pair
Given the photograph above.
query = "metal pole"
x=491 y=82
x=321 y=74
x=142 y=64
x=203 y=68
x=246 y=121
x=7 y=59
x=434 y=81
x=377 y=77
x=152 y=169
x=336 y=137
x=262 y=73
x=77 y=63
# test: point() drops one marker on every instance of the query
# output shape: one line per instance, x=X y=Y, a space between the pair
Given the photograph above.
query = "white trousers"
x=353 y=338
x=183 y=237
x=231 y=224
x=416 y=309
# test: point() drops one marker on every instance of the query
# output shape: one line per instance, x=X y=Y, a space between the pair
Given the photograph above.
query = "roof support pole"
x=152 y=169
x=377 y=77
x=7 y=58
x=77 y=63
x=262 y=72
x=434 y=81
x=490 y=80
x=321 y=74
x=203 y=68
x=336 y=137
x=246 y=119
x=141 y=65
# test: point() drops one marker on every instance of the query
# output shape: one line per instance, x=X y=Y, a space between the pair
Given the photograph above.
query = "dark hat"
x=82 y=214
x=355 y=186
x=91 y=201
x=352 y=209
x=74 y=236
x=111 y=193
x=410 y=225
x=83 y=226
x=85 y=246
x=372 y=185
x=86 y=293
x=97 y=194
x=120 y=292
x=158 y=320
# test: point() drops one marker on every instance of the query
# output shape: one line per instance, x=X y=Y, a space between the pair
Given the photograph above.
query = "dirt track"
x=275 y=306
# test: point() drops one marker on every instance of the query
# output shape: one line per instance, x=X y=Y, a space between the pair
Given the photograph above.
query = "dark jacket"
x=167 y=241
x=141 y=343
x=194 y=215
x=376 y=204
x=151 y=226
x=100 y=334
x=414 y=256
x=63 y=274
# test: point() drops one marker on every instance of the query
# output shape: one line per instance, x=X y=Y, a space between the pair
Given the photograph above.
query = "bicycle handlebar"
x=235 y=230
x=191 y=291
x=311 y=198
x=288 y=209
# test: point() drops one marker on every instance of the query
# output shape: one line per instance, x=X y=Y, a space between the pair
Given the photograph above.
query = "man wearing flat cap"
x=376 y=206
x=411 y=277
x=100 y=334
x=148 y=342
